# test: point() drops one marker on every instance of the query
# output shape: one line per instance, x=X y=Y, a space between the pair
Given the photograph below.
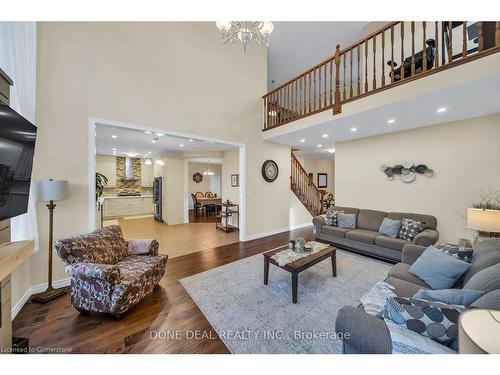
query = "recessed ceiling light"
x=320 y=146
x=331 y=150
x=325 y=135
x=147 y=132
x=391 y=121
x=114 y=148
x=190 y=139
x=302 y=140
x=160 y=134
x=131 y=154
x=354 y=130
x=441 y=110
x=149 y=152
x=113 y=136
x=181 y=145
x=153 y=141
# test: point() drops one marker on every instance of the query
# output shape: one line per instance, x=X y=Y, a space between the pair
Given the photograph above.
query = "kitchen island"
x=127 y=205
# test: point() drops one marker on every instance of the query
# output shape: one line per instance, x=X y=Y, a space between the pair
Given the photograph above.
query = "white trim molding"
x=34 y=290
x=276 y=231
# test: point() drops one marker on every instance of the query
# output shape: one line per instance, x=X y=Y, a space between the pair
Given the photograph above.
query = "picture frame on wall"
x=235 y=180
x=322 y=180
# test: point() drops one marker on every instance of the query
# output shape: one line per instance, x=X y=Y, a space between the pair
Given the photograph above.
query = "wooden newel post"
x=497 y=34
x=336 y=106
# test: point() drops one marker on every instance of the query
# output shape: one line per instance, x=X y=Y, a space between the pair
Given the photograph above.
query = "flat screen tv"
x=17 y=147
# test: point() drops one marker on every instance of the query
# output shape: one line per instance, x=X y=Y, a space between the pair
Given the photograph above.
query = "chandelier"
x=245 y=31
x=208 y=171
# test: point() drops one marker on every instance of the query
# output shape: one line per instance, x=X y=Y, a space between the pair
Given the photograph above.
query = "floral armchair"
x=108 y=273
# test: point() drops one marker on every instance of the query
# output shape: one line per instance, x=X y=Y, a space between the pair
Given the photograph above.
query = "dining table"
x=209 y=201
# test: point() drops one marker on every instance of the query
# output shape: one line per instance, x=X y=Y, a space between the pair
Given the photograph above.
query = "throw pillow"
x=450 y=296
x=346 y=221
x=438 y=269
x=390 y=228
x=410 y=228
x=331 y=217
x=460 y=252
x=436 y=320
x=374 y=301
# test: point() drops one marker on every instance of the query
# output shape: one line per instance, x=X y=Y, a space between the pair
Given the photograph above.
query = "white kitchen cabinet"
x=146 y=174
x=127 y=206
x=106 y=165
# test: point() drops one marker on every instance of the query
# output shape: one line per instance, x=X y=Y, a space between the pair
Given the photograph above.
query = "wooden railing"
x=304 y=188
x=397 y=53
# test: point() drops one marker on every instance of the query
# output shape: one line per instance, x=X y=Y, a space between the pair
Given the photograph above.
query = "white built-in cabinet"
x=146 y=174
x=128 y=206
x=106 y=165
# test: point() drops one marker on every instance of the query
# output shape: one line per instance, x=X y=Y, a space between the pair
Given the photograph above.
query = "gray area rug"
x=251 y=317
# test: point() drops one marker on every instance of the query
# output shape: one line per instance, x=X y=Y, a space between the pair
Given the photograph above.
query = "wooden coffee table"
x=300 y=265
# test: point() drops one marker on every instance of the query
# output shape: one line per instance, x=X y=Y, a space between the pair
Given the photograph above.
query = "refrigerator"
x=157 y=199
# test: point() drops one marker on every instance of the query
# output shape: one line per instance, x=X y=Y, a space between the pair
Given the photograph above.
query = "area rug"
x=253 y=318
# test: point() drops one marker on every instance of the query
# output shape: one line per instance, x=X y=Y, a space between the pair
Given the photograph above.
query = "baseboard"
x=276 y=231
x=34 y=290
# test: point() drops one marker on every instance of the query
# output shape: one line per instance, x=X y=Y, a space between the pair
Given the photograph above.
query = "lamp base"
x=49 y=295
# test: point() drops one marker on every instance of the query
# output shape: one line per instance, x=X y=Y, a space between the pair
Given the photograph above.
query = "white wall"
x=464 y=155
x=316 y=166
x=173 y=76
x=230 y=165
x=205 y=184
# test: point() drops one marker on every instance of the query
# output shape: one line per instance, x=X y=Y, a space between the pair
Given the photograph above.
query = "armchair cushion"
x=450 y=296
x=138 y=247
x=104 y=272
x=411 y=252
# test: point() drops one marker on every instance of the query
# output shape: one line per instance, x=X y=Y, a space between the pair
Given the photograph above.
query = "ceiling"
x=296 y=46
x=468 y=100
x=138 y=142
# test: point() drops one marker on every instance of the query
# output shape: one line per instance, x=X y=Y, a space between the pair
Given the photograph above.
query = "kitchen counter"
x=128 y=205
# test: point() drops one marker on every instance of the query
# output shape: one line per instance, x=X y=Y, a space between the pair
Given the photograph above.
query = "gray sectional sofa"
x=369 y=334
x=365 y=239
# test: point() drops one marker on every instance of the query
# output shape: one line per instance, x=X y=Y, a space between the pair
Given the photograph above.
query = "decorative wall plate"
x=197 y=177
x=409 y=177
x=407 y=164
x=270 y=170
x=429 y=173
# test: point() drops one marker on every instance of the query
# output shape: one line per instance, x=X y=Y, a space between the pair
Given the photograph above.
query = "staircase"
x=304 y=188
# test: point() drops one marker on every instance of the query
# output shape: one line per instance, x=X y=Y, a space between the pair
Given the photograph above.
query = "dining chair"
x=209 y=194
x=199 y=195
x=196 y=205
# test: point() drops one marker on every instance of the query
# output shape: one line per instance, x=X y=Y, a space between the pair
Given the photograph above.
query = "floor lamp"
x=50 y=191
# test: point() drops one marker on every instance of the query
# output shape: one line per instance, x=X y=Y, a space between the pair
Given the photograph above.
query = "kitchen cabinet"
x=127 y=206
x=146 y=174
x=106 y=165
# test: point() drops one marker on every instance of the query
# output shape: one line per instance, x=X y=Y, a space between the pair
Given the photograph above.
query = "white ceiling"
x=297 y=46
x=138 y=142
x=472 y=99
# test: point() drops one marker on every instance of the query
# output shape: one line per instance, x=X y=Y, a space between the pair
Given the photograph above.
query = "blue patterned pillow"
x=435 y=320
x=410 y=228
x=463 y=253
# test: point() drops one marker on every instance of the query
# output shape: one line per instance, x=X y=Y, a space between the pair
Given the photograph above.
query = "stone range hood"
x=128 y=183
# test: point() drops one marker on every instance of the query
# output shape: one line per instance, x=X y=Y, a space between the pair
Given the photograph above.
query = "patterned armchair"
x=109 y=274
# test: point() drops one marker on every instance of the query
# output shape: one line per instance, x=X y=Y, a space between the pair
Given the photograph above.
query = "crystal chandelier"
x=245 y=31
x=208 y=171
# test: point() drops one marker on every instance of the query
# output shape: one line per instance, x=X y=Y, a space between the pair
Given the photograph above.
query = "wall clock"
x=197 y=177
x=270 y=170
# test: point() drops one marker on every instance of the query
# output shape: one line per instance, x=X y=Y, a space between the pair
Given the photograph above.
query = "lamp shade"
x=51 y=190
x=483 y=220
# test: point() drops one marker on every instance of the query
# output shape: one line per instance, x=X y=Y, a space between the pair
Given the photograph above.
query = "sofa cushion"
x=334 y=231
x=347 y=221
x=391 y=243
x=348 y=210
x=410 y=228
x=362 y=235
x=486 y=280
x=403 y=288
x=460 y=252
x=486 y=254
x=430 y=222
x=390 y=228
x=435 y=320
x=450 y=296
x=438 y=269
x=331 y=217
x=370 y=219
x=402 y=271
x=490 y=301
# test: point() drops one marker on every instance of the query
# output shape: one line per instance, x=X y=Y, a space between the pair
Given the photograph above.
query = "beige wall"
x=464 y=155
x=171 y=76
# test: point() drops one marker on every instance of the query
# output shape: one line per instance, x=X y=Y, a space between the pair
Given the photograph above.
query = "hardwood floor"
x=202 y=218
x=169 y=310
